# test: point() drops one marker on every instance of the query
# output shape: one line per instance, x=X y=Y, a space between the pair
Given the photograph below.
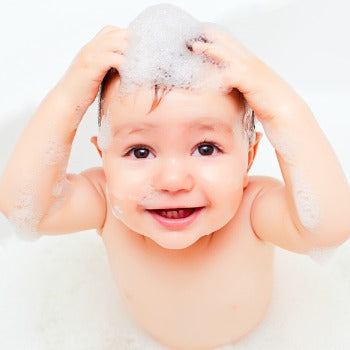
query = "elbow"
x=333 y=236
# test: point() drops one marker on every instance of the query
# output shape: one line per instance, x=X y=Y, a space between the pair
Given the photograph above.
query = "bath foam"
x=60 y=191
x=158 y=52
x=24 y=216
x=282 y=144
x=149 y=199
x=105 y=134
x=323 y=256
x=307 y=204
x=117 y=211
x=54 y=151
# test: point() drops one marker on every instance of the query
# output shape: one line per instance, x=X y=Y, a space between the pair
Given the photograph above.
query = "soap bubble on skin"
x=150 y=197
x=105 y=134
x=117 y=211
x=54 y=152
x=322 y=256
x=159 y=52
x=24 y=216
x=60 y=191
x=282 y=144
x=307 y=204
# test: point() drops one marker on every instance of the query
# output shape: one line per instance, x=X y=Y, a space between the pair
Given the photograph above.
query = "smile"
x=175 y=218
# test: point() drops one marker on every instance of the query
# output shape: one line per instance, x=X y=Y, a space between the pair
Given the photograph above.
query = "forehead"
x=201 y=110
x=199 y=124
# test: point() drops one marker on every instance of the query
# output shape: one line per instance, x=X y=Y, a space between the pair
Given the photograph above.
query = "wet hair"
x=248 y=118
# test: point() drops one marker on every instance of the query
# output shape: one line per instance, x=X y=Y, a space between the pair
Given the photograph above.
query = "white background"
x=57 y=293
x=306 y=42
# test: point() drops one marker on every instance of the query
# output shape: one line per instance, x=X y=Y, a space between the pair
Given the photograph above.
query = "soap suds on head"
x=159 y=55
x=158 y=52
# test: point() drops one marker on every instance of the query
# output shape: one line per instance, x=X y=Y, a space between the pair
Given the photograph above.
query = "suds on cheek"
x=117 y=210
x=149 y=198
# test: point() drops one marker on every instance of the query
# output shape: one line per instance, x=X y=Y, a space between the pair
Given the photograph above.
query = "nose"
x=173 y=175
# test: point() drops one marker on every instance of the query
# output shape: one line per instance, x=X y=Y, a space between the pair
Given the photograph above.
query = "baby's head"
x=169 y=136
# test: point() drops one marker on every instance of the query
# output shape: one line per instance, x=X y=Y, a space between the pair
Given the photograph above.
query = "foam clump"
x=323 y=256
x=24 y=218
x=159 y=52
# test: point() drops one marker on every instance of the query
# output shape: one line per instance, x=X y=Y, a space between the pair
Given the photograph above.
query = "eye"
x=139 y=151
x=207 y=148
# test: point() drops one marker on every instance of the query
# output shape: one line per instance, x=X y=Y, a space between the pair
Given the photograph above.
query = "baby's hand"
x=231 y=55
x=266 y=92
x=82 y=79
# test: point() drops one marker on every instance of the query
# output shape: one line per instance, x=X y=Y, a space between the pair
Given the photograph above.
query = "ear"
x=251 y=155
x=93 y=140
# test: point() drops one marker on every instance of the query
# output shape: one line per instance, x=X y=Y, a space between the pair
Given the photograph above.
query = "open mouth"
x=175 y=218
x=178 y=213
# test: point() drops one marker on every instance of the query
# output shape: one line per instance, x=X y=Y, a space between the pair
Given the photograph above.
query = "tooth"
x=181 y=212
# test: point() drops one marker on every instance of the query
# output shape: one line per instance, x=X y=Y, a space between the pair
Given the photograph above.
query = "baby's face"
x=188 y=152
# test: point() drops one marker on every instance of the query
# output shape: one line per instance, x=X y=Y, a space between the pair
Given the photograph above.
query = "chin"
x=174 y=240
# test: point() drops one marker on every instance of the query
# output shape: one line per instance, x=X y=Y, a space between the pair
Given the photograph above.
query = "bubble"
x=61 y=191
x=116 y=209
x=150 y=197
x=306 y=202
x=322 y=256
x=25 y=216
x=54 y=151
x=159 y=52
x=105 y=135
x=282 y=144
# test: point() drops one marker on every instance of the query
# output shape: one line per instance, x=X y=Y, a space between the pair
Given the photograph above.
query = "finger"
x=114 y=43
x=112 y=59
x=208 y=49
x=107 y=29
x=216 y=34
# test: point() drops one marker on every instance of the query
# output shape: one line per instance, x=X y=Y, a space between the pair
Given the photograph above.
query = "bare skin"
x=212 y=293
x=210 y=283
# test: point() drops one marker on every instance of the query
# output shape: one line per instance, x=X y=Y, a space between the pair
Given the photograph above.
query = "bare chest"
x=197 y=298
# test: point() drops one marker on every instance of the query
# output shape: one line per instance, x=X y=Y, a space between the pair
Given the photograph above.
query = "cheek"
x=220 y=179
x=226 y=173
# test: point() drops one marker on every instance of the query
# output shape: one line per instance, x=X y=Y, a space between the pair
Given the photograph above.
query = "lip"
x=176 y=223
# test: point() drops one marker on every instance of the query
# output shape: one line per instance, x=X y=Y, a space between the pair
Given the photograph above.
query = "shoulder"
x=97 y=177
x=258 y=183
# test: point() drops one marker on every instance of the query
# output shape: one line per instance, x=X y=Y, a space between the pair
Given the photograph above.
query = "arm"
x=312 y=208
x=316 y=195
x=34 y=180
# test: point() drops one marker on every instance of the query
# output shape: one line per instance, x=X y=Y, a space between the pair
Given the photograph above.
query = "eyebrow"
x=201 y=124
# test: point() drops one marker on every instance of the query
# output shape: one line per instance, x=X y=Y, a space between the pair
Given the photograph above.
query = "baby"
x=189 y=235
